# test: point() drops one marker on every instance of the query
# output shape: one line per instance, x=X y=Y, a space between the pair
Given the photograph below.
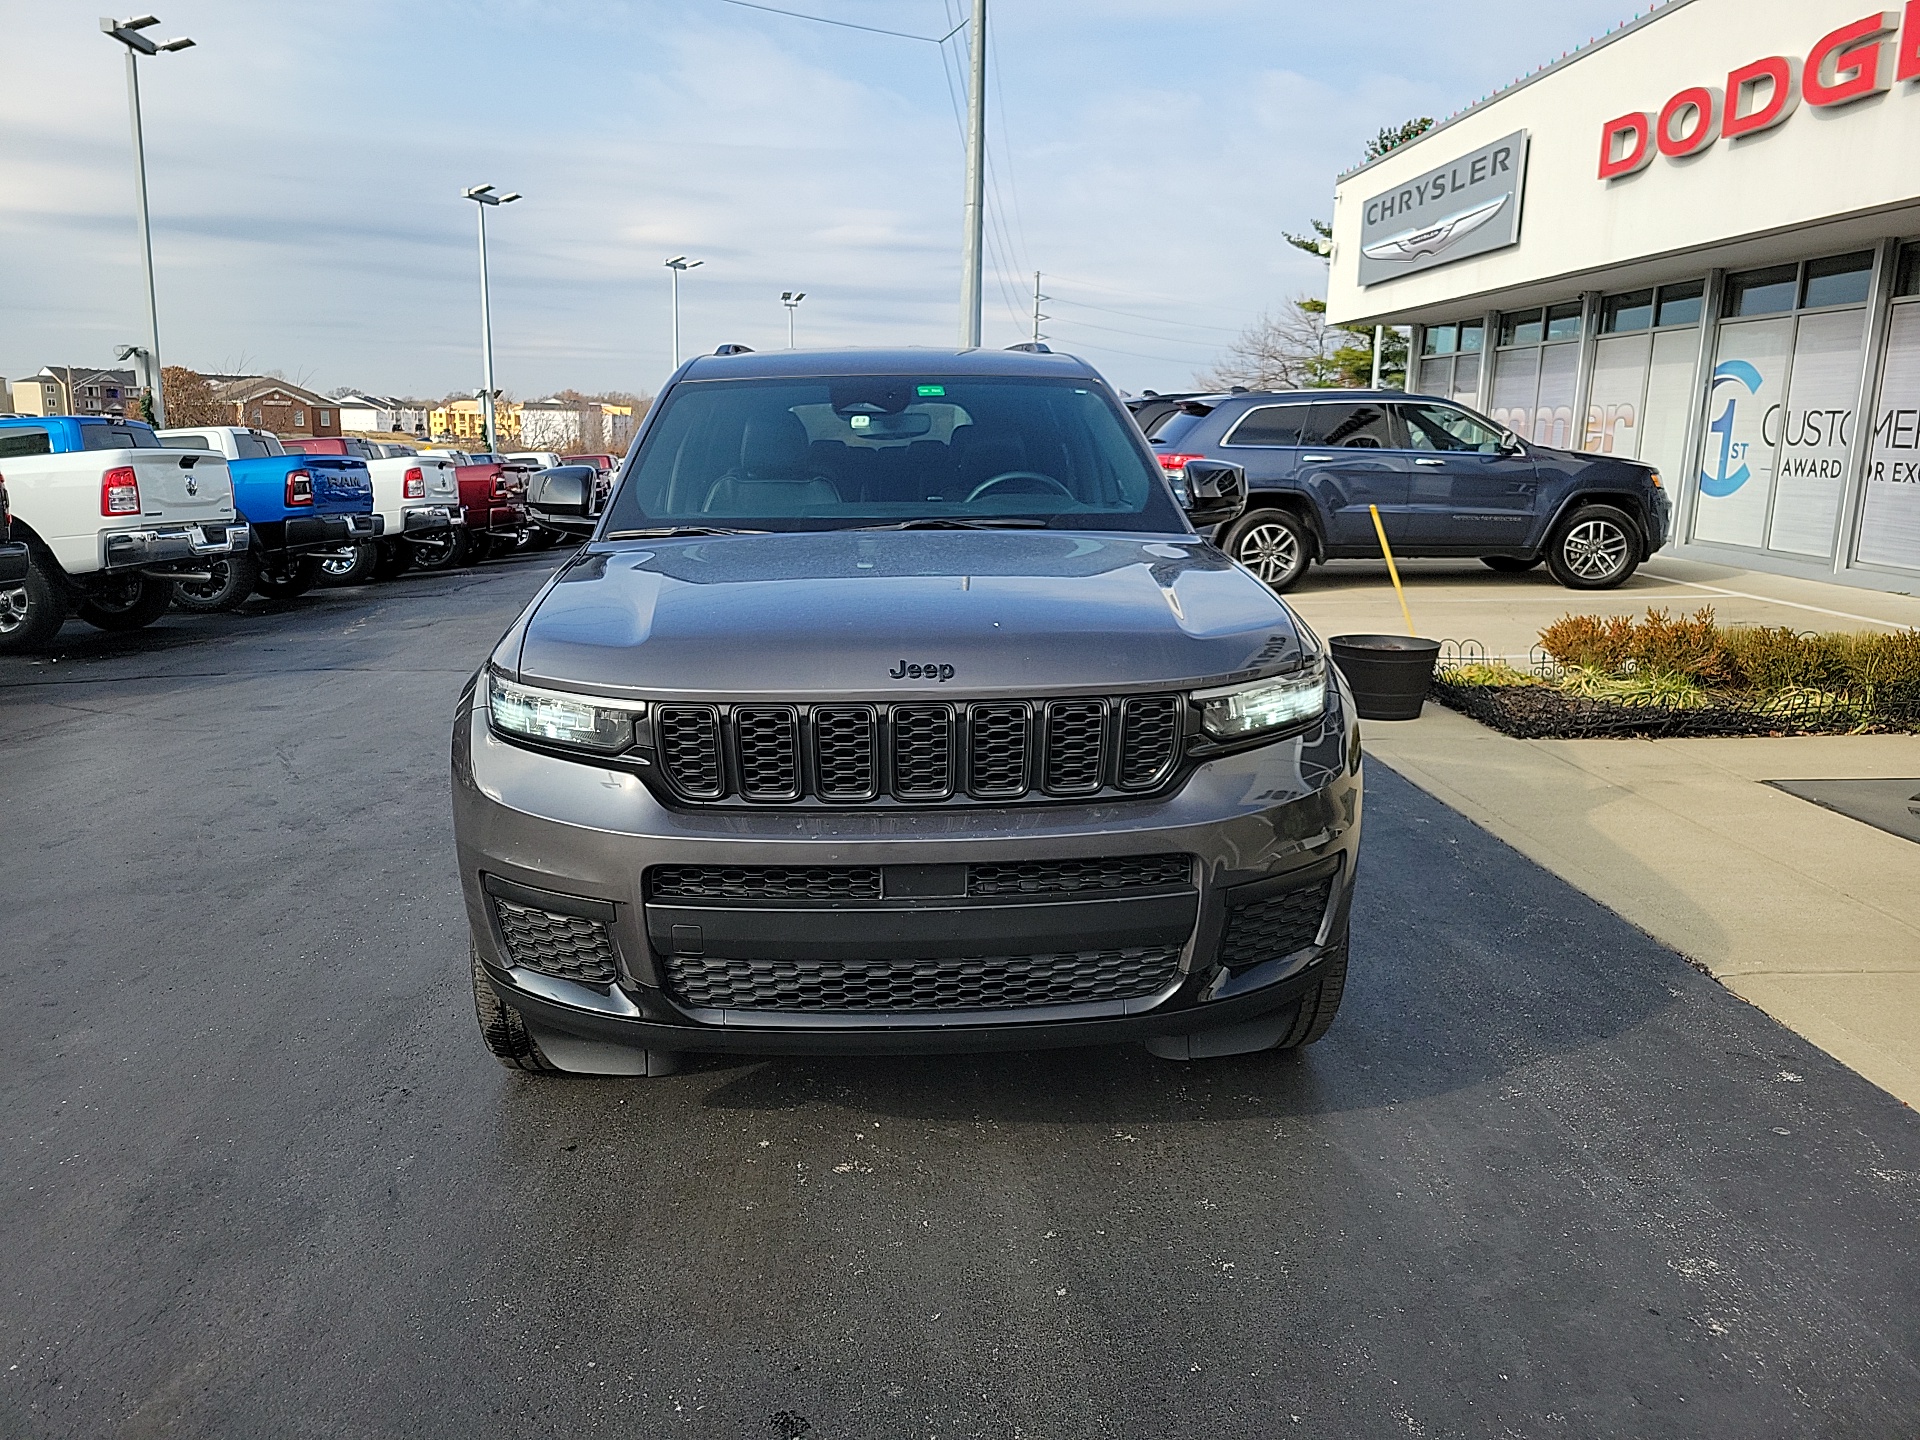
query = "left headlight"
x=1237 y=711
x=558 y=717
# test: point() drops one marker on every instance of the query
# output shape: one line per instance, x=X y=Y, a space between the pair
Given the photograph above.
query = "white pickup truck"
x=417 y=495
x=111 y=520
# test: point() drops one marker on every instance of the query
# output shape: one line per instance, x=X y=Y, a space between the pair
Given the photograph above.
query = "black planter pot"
x=1388 y=674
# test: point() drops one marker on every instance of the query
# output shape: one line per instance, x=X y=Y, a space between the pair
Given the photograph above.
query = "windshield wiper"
x=670 y=532
x=954 y=522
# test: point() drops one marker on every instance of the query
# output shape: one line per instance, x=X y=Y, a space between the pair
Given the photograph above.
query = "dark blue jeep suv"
x=1447 y=482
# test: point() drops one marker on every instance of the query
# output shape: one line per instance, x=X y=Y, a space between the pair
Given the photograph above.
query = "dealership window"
x=1890 y=508
x=1779 y=423
x=1536 y=371
x=326 y=417
x=1450 y=361
x=1642 y=387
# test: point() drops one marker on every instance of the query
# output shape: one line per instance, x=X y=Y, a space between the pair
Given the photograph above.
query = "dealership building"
x=1694 y=242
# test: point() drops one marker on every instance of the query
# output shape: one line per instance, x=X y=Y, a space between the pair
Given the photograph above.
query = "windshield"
x=116 y=436
x=836 y=452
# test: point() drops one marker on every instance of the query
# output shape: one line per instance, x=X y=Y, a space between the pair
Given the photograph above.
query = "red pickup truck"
x=493 y=492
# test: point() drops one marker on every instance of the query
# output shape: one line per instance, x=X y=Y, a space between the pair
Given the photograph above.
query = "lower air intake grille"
x=1066 y=877
x=1000 y=983
x=570 y=947
x=1276 y=926
x=763 y=882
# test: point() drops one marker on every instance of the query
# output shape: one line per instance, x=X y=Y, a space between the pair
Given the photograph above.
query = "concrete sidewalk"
x=1810 y=915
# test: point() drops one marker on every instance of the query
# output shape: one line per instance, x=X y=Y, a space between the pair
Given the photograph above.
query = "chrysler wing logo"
x=1434 y=239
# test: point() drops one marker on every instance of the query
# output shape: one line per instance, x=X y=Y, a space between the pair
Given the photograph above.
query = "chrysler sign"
x=1466 y=207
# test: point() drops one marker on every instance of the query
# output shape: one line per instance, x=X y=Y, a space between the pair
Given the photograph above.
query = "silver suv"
x=895 y=705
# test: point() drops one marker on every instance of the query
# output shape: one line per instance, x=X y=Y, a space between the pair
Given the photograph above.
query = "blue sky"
x=305 y=165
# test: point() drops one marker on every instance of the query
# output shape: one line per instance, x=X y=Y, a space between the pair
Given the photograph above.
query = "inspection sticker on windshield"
x=925 y=390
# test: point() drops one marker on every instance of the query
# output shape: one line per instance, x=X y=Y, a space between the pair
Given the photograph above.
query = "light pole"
x=971 y=279
x=127 y=32
x=676 y=265
x=791 y=299
x=483 y=196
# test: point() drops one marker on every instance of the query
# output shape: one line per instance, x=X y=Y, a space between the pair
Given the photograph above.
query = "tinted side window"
x=118 y=437
x=1270 y=425
x=1170 y=429
x=1354 y=426
x=1441 y=427
x=251 y=448
x=17 y=442
x=186 y=442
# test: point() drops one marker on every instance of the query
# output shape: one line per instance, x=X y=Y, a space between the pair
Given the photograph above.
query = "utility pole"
x=971 y=276
x=1037 y=316
x=127 y=32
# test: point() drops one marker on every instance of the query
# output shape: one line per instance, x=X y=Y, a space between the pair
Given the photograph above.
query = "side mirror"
x=1212 y=492
x=1511 y=444
x=561 y=500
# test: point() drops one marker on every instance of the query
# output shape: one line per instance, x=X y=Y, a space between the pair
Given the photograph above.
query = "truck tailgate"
x=342 y=485
x=175 y=486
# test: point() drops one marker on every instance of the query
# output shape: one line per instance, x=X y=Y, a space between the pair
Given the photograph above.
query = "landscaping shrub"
x=1768 y=658
x=1590 y=641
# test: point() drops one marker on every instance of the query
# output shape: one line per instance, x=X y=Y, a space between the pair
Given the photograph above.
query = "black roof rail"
x=734 y=350
x=1033 y=347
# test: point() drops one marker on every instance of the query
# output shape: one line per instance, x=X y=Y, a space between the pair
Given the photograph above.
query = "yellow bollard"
x=1392 y=570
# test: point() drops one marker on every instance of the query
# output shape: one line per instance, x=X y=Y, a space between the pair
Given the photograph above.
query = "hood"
x=889 y=614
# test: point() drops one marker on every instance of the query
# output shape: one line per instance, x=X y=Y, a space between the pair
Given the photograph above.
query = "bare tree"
x=1288 y=351
x=190 y=398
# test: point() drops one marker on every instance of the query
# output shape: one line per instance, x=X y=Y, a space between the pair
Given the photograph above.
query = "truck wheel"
x=1595 y=548
x=1510 y=564
x=349 y=565
x=502 y=1029
x=480 y=546
x=32 y=612
x=288 y=579
x=393 y=560
x=1320 y=1004
x=541 y=538
x=1273 y=544
x=128 y=602
x=441 y=552
x=231 y=582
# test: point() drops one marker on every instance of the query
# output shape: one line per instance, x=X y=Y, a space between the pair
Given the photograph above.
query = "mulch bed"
x=1539 y=712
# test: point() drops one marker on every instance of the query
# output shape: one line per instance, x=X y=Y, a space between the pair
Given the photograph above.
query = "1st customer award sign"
x=1466 y=207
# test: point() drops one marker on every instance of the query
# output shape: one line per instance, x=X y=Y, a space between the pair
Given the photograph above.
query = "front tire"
x=32 y=612
x=130 y=602
x=502 y=1030
x=445 y=551
x=1320 y=1004
x=231 y=582
x=1274 y=544
x=288 y=579
x=350 y=565
x=1595 y=548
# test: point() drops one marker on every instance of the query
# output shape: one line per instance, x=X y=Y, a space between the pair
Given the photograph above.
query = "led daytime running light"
x=558 y=717
x=1271 y=704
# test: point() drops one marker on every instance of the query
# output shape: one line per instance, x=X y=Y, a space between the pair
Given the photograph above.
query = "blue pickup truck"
x=1444 y=480
x=300 y=507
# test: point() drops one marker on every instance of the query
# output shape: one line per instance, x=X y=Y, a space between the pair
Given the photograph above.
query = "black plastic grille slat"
x=997 y=758
x=1276 y=926
x=1149 y=740
x=1076 y=749
x=922 y=752
x=690 y=749
x=769 y=751
x=571 y=947
x=1066 y=877
x=843 y=752
x=982 y=983
x=764 y=882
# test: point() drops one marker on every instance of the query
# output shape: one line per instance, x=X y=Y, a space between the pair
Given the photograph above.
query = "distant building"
x=555 y=424
x=69 y=390
x=463 y=421
x=381 y=414
x=286 y=409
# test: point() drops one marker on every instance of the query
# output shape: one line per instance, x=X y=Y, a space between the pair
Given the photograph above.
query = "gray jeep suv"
x=895 y=705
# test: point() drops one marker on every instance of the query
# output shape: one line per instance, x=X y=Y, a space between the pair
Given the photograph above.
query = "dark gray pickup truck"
x=894 y=704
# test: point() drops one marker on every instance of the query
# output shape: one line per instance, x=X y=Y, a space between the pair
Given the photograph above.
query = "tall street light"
x=483 y=196
x=791 y=299
x=971 y=278
x=676 y=265
x=127 y=32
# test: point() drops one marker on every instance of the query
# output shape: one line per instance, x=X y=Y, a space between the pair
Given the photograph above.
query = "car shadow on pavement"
x=1469 y=963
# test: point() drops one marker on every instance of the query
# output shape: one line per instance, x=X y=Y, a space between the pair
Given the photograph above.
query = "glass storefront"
x=1786 y=375
x=1450 y=361
x=1536 y=373
x=1890 y=510
x=1641 y=394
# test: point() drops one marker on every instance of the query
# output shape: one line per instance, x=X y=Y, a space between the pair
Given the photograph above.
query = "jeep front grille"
x=1012 y=982
x=919 y=753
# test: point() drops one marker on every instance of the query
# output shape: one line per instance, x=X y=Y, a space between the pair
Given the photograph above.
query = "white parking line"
x=1792 y=604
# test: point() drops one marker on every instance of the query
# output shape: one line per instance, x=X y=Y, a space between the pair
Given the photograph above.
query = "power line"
x=844 y=24
x=1138 y=334
x=1151 y=319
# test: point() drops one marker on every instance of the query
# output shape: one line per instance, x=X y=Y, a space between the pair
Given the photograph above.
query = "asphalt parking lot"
x=260 y=1178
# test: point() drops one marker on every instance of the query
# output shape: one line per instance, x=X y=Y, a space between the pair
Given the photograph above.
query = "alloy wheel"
x=13 y=609
x=340 y=562
x=1595 y=549
x=1271 y=551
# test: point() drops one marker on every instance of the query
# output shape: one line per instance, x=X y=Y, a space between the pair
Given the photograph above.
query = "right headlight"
x=559 y=717
x=1235 y=712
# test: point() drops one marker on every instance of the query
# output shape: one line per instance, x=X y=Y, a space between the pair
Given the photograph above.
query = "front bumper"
x=172 y=544
x=577 y=841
